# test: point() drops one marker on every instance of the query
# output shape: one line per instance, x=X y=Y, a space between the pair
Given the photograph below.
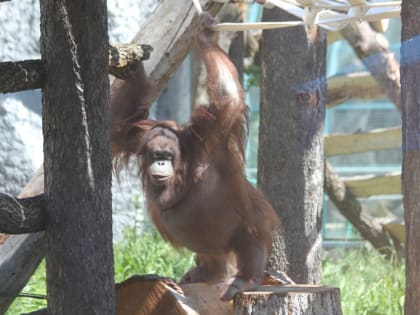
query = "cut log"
x=290 y=300
x=378 y=139
x=123 y=59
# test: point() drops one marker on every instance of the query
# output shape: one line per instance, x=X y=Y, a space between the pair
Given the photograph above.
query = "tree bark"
x=290 y=157
x=372 y=49
x=19 y=216
x=290 y=300
x=80 y=268
x=410 y=76
x=21 y=75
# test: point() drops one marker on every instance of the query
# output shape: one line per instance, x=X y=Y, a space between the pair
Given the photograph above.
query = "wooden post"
x=290 y=153
x=410 y=76
x=77 y=163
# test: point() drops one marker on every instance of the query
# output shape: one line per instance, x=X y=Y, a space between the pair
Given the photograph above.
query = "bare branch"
x=352 y=209
x=30 y=74
x=372 y=49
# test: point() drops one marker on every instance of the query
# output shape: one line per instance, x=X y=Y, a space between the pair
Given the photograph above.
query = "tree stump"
x=154 y=295
x=289 y=300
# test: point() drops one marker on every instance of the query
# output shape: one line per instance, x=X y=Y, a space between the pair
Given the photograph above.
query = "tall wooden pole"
x=410 y=76
x=290 y=156
x=77 y=165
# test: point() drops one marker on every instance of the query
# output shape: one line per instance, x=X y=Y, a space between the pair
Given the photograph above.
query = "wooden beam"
x=30 y=74
x=360 y=85
x=19 y=216
x=21 y=75
x=372 y=185
x=170 y=31
x=378 y=139
x=21 y=254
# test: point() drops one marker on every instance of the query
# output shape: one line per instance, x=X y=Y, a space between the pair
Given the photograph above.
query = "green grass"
x=36 y=285
x=149 y=254
x=145 y=254
x=369 y=284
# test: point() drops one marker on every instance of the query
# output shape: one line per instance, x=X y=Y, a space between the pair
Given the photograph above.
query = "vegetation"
x=134 y=254
x=149 y=254
x=370 y=285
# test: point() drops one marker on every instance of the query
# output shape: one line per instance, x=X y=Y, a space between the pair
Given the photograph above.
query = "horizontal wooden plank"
x=377 y=139
x=345 y=87
x=372 y=185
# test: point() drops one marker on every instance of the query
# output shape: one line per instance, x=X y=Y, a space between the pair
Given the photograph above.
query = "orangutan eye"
x=162 y=155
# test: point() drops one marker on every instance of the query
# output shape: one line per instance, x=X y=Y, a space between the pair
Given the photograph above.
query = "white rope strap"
x=325 y=13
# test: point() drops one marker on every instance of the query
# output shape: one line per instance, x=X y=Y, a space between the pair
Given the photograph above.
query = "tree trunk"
x=410 y=76
x=74 y=46
x=290 y=157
